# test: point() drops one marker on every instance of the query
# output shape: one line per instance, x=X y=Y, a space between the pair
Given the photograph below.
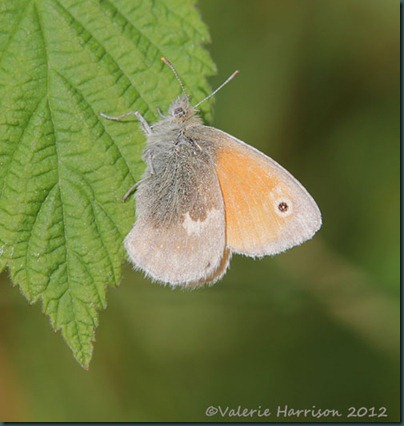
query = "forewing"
x=267 y=209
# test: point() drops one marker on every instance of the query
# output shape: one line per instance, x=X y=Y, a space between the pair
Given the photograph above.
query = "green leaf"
x=64 y=169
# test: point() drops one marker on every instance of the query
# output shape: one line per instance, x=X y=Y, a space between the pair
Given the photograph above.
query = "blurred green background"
x=318 y=91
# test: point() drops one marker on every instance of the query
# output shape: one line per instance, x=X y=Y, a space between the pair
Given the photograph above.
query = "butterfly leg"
x=160 y=113
x=131 y=190
x=148 y=159
x=145 y=125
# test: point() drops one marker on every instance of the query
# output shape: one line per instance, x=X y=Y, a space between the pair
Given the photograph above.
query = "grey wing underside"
x=175 y=257
x=189 y=251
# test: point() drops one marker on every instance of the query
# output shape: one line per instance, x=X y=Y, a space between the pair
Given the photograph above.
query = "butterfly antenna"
x=167 y=62
x=220 y=87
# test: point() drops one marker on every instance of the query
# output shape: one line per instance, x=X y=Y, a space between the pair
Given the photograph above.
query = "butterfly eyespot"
x=179 y=112
x=283 y=207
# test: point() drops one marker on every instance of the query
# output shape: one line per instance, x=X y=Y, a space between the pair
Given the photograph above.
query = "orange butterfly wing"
x=267 y=210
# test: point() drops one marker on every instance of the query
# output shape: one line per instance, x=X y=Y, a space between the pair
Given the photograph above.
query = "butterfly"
x=206 y=195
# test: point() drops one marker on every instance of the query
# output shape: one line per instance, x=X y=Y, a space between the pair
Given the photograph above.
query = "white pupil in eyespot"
x=283 y=207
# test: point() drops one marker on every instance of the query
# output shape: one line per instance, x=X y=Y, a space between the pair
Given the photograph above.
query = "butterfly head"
x=182 y=111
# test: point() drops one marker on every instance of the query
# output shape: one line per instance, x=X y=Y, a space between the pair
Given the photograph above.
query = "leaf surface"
x=64 y=169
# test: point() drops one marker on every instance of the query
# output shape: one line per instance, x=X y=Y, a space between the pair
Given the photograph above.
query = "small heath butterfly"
x=206 y=195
